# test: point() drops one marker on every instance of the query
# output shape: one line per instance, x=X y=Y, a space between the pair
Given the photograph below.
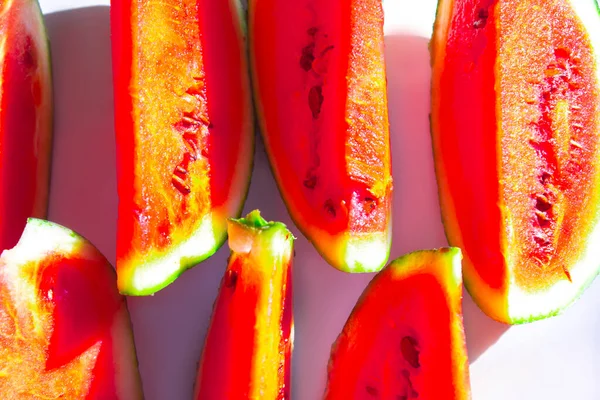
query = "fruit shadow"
x=170 y=326
x=416 y=220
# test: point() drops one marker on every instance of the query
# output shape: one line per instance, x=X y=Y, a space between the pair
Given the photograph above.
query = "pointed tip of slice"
x=368 y=253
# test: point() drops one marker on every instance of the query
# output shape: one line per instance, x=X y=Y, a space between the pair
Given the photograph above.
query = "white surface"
x=553 y=359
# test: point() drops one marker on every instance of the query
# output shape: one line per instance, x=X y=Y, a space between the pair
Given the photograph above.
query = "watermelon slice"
x=247 y=354
x=64 y=329
x=516 y=137
x=405 y=337
x=25 y=118
x=184 y=131
x=320 y=89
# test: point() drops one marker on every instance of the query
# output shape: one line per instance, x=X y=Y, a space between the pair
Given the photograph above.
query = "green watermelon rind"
x=206 y=240
x=41 y=239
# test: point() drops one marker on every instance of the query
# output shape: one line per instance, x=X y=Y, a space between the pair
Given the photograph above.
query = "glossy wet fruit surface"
x=184 y=134
x=320 y=87
x=248 y=347
x=25 y=118
x=515 y=123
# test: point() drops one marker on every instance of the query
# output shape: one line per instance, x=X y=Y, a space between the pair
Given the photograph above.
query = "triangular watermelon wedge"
x=405 y=337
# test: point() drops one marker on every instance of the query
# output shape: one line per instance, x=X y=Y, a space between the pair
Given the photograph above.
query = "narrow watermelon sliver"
x=184 y=134
x=247 y=354
x=25 y=118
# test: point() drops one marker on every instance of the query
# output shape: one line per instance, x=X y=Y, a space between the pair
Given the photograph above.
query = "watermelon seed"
x=372 y=391
x=192 y=147
x=307 y=57
x=481 y=20
x=191 y=121
x=542 y=203
x=311 y=181
x=315 y=100
x=179 y=170
x=196 y=91
x=330 y=208
x=409 y=351
x=231 y=279
x=312 y=31
x=545 y=178
x=180 y=184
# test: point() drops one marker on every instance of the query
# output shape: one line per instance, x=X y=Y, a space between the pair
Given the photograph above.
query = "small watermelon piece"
x=516 y=137
x=320 y=90
x=405 y=337
x=247 y=353
x=64 y=328
x=184 y=129
x=25 y=118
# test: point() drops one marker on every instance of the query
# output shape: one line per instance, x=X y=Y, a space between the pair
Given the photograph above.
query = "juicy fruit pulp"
x=320 y=89
x=405 y=337
x=25 y=118
x=249 y=342
x=64 y=328
x=184 y=134
x=515 y=121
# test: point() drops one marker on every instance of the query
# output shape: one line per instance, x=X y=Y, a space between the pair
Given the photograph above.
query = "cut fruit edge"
x=444 y=264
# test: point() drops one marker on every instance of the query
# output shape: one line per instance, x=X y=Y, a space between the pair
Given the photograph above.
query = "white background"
x=553 y=359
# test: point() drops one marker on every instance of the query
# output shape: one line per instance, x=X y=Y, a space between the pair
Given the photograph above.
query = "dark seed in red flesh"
x=409 y=351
